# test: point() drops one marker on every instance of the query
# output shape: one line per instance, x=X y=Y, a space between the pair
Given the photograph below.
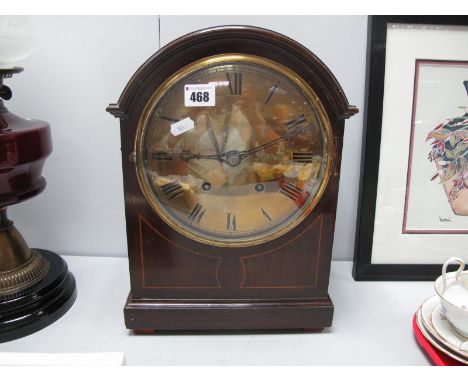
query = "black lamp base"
x=39 y=305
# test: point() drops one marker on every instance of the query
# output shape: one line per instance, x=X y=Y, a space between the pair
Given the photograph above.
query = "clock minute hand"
x=246 y=153
x=295 y=130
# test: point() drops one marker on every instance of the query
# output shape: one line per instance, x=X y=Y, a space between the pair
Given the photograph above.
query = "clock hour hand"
x=213 y=137
x=227 y=117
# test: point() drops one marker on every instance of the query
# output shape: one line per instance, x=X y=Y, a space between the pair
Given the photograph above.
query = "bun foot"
x=144 y=331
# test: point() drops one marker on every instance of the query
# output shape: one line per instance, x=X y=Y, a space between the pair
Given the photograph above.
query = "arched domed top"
x=235 y=39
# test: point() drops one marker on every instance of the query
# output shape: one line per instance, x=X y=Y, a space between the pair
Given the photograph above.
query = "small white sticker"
x=182 y=126
x=200 y=95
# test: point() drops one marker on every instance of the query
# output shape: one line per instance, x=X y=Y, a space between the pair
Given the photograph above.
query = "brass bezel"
x=186 y=71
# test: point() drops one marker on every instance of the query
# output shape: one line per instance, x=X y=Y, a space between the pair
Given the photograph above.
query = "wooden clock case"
x=178 y=283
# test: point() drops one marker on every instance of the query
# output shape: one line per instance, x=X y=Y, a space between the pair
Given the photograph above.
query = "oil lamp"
x=36 y=287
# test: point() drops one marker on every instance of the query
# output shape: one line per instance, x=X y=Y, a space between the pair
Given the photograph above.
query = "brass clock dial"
x=247 y=169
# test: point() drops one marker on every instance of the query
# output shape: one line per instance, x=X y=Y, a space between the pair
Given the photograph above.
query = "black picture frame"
x=363 y=268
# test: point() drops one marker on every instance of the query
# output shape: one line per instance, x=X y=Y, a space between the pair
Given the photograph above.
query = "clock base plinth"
x=143 y=315
x=41 y=304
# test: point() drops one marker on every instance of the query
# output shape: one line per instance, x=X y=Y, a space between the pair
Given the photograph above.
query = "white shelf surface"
x=372 y=325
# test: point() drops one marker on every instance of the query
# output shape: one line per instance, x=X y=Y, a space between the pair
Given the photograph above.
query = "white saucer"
x=443 y=327
x=426 y=310
x=434 y=342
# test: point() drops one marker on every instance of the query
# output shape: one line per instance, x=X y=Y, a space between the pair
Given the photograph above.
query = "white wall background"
x=81 y=64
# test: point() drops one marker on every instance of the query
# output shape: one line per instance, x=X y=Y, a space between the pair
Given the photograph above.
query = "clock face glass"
x=244 y=170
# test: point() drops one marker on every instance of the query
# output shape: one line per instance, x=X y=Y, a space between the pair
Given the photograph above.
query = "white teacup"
x=452 y=289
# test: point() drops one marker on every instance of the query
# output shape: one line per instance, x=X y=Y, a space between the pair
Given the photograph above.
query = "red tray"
x=437 y=357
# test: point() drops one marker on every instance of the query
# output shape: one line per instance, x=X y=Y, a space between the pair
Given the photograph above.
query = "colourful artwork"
x=437 y=176
x=449 y=152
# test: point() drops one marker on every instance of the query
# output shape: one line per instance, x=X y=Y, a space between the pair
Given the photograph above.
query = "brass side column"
x=20 y=267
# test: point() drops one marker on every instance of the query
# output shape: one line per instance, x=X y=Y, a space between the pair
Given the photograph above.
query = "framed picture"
x=413 y=202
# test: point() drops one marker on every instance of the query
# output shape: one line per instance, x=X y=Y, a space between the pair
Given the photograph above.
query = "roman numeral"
x=161 y=155
x=172 y=189
x=297 y=126
x=197 y=213
x=231 y=222
x=235 y=83
x=302 y=157
x=267 y=217
x=272 y=92
x=173 y=120
x=291 y=191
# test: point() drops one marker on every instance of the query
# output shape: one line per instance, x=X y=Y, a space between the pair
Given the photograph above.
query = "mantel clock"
x=231 y=151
